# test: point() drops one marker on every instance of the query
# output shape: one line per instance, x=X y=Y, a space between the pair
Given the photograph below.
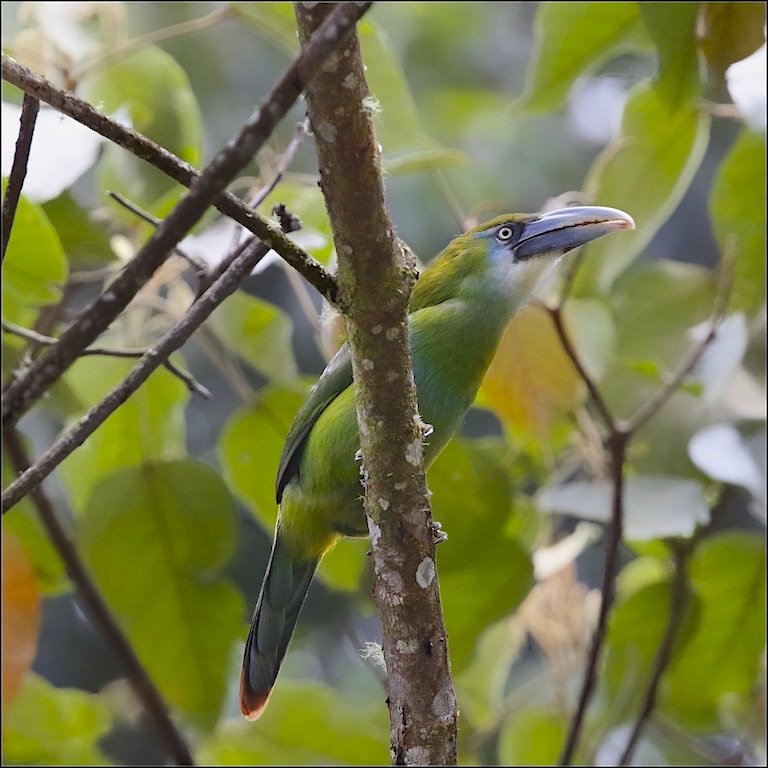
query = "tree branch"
x=375 y=280
x=31 y=384
x=172 y=166
x=619 y=437
x=192 y=384
x=679 y=595
x=98 y=611
x=153 y=358
x=29 y=109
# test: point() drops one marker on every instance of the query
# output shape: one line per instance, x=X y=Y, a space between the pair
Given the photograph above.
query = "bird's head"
x=506 y=258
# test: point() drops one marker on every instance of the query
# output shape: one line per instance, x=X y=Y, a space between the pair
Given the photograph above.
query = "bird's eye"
x=504 y=233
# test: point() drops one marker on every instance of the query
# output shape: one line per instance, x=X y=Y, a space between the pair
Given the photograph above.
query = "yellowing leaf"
x=531 y=381
x=20 y=616
x=729 y=32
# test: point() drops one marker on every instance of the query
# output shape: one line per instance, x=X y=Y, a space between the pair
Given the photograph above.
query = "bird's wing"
x=336 y=377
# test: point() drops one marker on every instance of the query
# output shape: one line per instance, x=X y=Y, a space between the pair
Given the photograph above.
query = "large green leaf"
x=532 y=736
x=484 y=572
x=148 y=427
x=54 y=726
x=154 y=537
x=737 y=209
x=645 y=172
x=303 y=725
x=673 y=29
x=260 y=333
x=636 y=631
x=85 y=240
x=712 y=683
x=156 y=94
x=24 y=522
x=573 y=39
x=35 y=265
x=654 y=309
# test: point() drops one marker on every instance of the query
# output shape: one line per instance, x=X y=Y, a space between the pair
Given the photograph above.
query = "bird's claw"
x=438 y=534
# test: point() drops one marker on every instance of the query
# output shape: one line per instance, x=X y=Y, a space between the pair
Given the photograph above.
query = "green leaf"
x=713 y=682
x=274 y=21
x=654 y=309
x=737 y=209
x=35 y=265
x=24 y=523
x=398 y=124
x=148 y=427
x=54 y=726
x=303 y=725
x=636 y=631
x=157 y=95
x=481 y=685
x=154 y=537
x=85 y=241
x=573 y=39
x=484 y=573
x=532 y=737
x=260 y=333
x=646 y=173
x=673 y=30
x=251 y=445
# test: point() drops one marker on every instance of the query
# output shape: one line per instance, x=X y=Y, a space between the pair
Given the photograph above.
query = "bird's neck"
x=454 y=343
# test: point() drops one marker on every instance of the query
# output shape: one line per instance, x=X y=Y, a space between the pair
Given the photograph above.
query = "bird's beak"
x=568 y=228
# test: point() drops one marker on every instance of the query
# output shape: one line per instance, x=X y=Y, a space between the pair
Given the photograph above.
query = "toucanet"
x=459 y=309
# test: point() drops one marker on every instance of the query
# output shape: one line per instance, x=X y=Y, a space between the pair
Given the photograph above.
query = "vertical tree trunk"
x=375 y=281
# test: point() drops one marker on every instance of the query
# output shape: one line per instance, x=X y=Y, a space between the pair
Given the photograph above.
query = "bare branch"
x=151 y=360
x=651 y=407
x=556 y=313
x=192 y=384
x=166 y=162
x=29 y=386
x=29 y=109
x=618 y=442
x=98 y=611
x=375 y=279
x=196 y=264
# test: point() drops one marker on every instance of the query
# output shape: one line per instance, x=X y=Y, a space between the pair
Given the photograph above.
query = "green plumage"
x=460 y=307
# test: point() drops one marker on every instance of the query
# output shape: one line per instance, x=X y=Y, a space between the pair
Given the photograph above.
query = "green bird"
x=460 y=307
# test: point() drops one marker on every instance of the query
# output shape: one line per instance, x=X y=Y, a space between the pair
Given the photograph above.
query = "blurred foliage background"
x=658 y=109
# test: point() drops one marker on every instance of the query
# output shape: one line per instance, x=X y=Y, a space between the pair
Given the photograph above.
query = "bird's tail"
x=282 y=597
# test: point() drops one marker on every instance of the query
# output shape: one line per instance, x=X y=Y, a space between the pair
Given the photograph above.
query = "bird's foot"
x=438 y=534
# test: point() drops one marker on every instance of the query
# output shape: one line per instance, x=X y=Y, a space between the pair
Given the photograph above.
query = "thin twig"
x=153 y=358
x=33 y=382
x=192 y=384
x=618 y=442
x=649 y=409
x=555 y=312
x=679 y=594
x=29 y=109
x=620 y=435
x=299 y=134
x=198 y=265
x=172 y=166
x=98 y=612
